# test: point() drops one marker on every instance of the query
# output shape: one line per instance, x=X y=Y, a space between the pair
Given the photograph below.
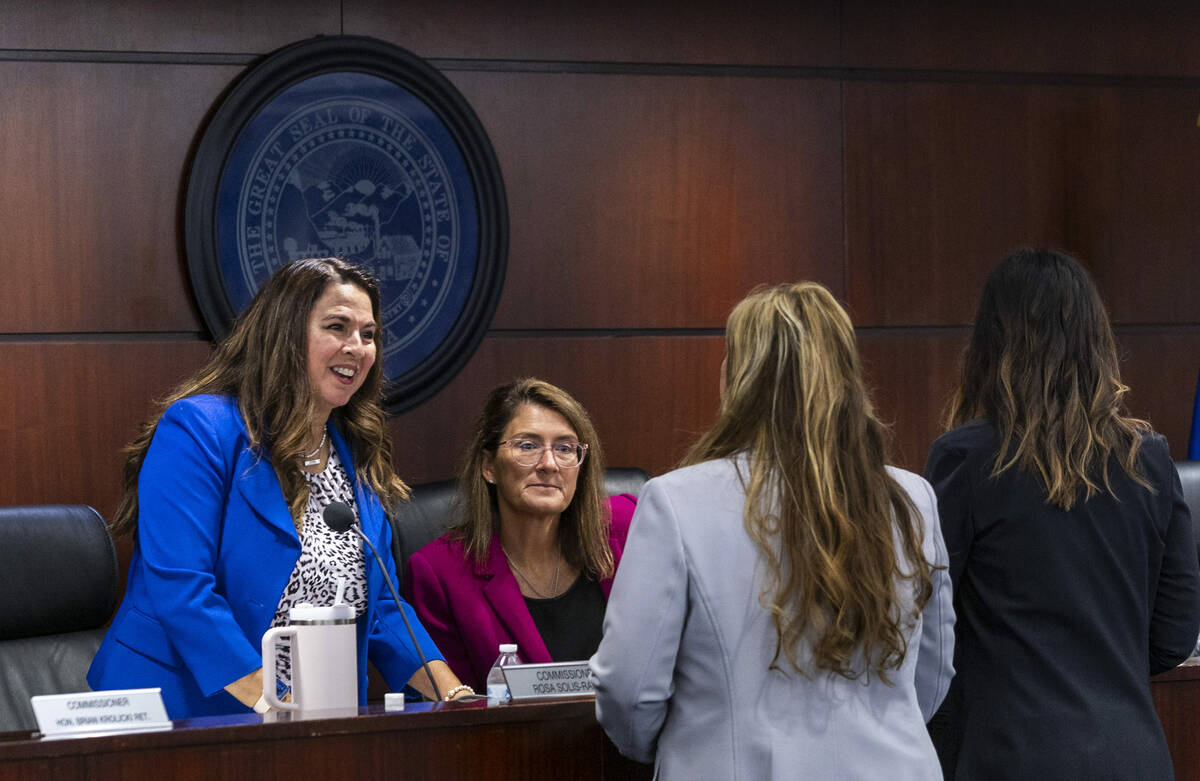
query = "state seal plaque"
x=352 y=147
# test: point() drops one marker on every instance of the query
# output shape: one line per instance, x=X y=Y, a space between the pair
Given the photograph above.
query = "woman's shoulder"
x=973 y=435
x=446 y=553
x=1155 y=443
x=621 y=507
x=974 y=442
x=215 y=409
x=918 y=487
x=1154 y=456
x=912 y=483
x=709 y=489
x=714 y=472
x=919 y=490
x=205 y=418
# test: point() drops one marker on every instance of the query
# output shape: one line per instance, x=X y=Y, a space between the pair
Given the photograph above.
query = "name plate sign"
x=92 y=713
x=555 y=679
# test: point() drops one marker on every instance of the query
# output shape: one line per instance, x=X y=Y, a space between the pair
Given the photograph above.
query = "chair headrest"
x=1189 y=478
x=58 y=570
x=430 y=504
x=624 y=480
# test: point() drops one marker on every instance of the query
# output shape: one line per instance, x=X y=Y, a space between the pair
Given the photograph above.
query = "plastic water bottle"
x=497 y=687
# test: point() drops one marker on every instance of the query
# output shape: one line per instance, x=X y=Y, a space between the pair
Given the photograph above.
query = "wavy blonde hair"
x=584 y=525
x=1042 y=367
x=263 y=363
x=820 y=505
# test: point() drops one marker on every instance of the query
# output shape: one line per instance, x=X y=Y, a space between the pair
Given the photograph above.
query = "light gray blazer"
x=682 y=675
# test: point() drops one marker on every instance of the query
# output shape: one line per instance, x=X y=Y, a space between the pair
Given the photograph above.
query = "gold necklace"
x=528 y=582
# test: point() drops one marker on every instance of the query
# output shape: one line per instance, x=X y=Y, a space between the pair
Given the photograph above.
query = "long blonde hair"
x=263 y=362
x=820 y=504
x=584 y=525
x=1042 y=367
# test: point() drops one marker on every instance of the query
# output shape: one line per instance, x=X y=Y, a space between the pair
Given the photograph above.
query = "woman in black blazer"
x=1071 y=553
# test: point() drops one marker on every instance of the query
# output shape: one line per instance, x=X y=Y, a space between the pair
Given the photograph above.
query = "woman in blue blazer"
x=225 y=492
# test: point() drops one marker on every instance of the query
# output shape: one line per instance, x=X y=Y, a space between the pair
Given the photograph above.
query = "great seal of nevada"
x=361 y=166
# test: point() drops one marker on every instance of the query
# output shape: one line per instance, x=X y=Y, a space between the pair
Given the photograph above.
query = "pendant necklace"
x=314 y=458
x=528 y=582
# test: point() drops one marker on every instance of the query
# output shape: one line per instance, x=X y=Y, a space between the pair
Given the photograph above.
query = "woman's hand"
x=443 y=676
x=248 y=688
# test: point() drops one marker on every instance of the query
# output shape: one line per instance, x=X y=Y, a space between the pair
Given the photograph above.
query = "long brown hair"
x=263 y=362
x=820 y=505
x=1042 y=367
x=583 y=526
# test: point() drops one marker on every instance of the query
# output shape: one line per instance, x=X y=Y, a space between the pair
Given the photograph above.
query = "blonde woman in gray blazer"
x=783 y=608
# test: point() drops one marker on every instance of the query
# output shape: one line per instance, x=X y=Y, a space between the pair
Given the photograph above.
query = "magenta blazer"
x=469 y=609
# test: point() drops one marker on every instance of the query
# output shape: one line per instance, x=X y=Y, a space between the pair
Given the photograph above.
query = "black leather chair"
x=58 y=581
x=1189 y=476
x=429 y=513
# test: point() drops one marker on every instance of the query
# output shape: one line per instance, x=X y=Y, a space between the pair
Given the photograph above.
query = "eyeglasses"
x=528 y=452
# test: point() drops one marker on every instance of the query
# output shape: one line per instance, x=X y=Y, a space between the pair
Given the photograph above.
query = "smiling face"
x=341 y=345
x=539 y=491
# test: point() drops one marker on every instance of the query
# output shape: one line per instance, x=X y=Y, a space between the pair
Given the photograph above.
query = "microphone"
x=340 y=518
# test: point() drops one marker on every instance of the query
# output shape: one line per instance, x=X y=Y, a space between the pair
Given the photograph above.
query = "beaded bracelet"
x=456 y=690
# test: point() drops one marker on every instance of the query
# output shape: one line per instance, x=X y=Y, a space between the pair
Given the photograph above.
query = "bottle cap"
x=508 y=648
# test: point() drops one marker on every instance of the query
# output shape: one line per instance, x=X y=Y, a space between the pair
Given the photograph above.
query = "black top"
x=1062 y=616
x=571 y=624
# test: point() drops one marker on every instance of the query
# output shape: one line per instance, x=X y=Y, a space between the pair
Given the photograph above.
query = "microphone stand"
x=346 y=514
x=400 y=609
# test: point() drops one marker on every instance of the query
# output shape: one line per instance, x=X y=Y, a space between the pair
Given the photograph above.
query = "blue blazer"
x=214 y=550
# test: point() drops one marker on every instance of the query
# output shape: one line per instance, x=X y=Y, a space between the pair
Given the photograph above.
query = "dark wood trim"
x=445 y=741
x=1177 y=699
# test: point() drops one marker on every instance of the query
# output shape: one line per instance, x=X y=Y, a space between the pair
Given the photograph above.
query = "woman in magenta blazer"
x=532 y=557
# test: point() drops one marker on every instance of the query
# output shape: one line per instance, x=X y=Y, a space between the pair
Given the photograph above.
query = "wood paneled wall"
x=659 y=163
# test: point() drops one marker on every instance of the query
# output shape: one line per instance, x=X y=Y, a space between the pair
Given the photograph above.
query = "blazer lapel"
x=256 y=480
x=370 y=514
x=607 y=583
x=504 y=595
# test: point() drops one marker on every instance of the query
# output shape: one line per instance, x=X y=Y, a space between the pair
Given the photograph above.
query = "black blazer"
x=1063 y=616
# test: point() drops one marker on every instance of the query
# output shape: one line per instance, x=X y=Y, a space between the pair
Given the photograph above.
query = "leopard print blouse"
x=324 y=557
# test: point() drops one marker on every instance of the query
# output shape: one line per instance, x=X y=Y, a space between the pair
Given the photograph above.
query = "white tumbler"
x=324 y=658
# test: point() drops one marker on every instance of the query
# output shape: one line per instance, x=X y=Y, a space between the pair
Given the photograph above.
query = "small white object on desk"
x=393 y=701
